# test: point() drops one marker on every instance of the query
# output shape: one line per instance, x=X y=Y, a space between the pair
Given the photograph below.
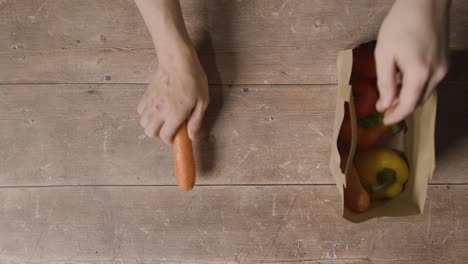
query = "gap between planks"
x=446 y=82
x=196 y=186
x=145 y=83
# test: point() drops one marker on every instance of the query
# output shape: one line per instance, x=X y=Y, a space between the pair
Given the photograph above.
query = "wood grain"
x=259 y=41
x=59 y=142
x=89 y=134
x=54 y=24
x=36 y=101
x=221 y=225
x=115 y=65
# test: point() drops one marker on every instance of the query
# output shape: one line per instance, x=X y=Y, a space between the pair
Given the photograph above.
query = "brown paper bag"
x=416 y=142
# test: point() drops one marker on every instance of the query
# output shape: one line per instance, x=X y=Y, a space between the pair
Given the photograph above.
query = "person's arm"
x=178 y=90
x=413 y=42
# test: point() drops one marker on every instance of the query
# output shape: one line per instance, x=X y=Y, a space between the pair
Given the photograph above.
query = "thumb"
x=196 y=119
x=386 y=81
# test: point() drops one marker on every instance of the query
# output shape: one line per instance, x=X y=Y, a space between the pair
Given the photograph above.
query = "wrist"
x=171 y=39
x=176 y=52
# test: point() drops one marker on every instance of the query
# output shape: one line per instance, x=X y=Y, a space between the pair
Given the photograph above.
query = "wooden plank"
x=111 y=65
x=221 y=225
x=89 y=134
x=241 y=66
x=241 y=41
x=115 y=151
x=231 y=24
x=36 y=101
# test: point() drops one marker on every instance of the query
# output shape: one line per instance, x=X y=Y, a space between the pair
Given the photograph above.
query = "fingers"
x=152 y=130
x=141 y=107
x=437 y=77
x=415 y=77
x=419 y=82
x=431 y=85
x=151 y=122
x=386 y=80
x=196 y=119
x=170 y=128
x=142 y=104
x=156 y=125
x=163 y=122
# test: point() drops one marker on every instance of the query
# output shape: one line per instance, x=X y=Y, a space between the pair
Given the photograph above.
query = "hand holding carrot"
x=178 y=90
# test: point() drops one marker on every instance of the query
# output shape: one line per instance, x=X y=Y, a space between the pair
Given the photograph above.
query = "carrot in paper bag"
x=356 y=198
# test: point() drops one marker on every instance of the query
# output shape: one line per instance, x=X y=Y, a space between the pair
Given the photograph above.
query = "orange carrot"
x=184 y=163
x=356 y=198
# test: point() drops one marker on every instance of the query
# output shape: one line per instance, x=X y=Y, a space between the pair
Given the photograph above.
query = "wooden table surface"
x=80 y=183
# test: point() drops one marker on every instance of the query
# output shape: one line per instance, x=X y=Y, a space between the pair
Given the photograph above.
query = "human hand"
x=412 y=46
x=177 y=91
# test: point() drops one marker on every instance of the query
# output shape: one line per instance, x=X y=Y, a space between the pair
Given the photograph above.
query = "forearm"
x=165 y=23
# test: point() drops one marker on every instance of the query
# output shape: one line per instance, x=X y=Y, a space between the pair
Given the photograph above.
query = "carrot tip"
x=185 y=188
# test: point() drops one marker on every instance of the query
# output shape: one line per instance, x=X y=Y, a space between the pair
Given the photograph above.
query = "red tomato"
x=365 y=96
x=364 y=61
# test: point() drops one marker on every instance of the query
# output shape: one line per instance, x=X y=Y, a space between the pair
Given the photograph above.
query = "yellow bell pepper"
x=383 y=172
